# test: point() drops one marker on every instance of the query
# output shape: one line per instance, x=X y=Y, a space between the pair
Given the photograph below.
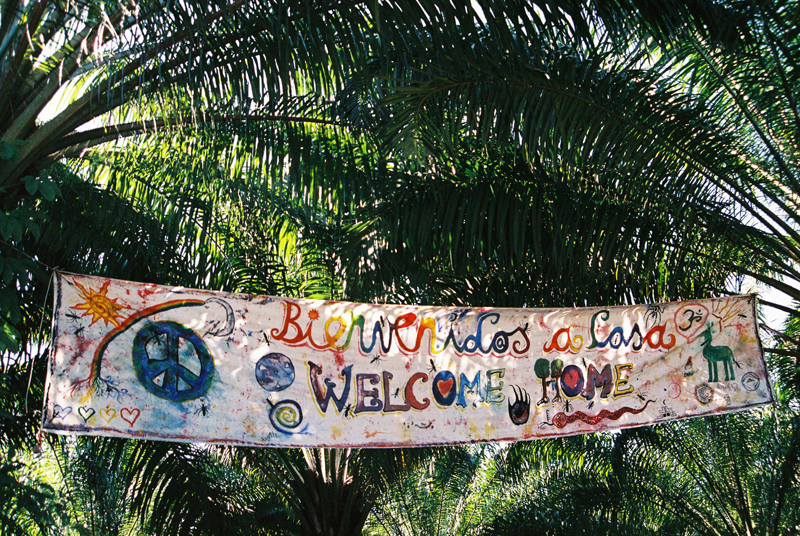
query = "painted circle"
x=571 y=380
x=750 y=381
x=286 y=415
x=703 y=393
x=172 y=361
x=274 y=372
x=444 y=388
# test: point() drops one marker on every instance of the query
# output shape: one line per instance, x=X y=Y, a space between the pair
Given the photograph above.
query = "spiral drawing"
x=286 y=415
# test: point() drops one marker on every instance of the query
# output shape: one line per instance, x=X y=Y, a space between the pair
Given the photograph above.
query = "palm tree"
x=731 y=475
x=368 y=152
x=551 y=487
x=700 y=107
x=77 y=75
x=484 y=489
x=29 y=506
x=331 y=491
x=454 y=493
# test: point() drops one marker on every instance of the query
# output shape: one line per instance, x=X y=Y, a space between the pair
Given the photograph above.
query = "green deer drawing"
x=715 y=354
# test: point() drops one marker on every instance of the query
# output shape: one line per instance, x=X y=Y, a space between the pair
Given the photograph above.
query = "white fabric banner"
x=146 y=361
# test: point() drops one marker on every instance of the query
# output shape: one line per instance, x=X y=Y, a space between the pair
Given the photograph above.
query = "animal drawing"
x=716 y=354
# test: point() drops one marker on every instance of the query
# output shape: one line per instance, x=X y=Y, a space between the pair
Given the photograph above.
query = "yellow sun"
x=99 y=305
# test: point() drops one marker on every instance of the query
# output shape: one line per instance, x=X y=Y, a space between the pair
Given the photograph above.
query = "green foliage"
x=457 y=492
x=26 y=508
x=94 y=486
x=309 y=481
x=736 y=474
x=463 y=153
x=15 y=269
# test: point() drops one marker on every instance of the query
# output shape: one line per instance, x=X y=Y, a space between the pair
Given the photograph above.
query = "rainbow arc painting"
x=145 y=361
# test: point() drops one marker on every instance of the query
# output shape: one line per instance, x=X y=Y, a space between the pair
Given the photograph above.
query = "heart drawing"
x=445 y=386
x=60 y=412
x=129 y=415
x=108 y=413
x=86 y=413
x=570 y=379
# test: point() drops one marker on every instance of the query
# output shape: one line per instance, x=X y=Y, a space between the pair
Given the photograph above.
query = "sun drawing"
x=99 y=305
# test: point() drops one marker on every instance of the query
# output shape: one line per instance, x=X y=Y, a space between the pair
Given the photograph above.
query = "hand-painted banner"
x=145 y=361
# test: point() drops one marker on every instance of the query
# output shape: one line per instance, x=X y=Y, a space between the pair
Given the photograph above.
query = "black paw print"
x=520 y=409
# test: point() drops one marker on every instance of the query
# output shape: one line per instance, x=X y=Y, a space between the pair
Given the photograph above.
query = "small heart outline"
x=133 y=412
x=60 y=412
x=86 y=413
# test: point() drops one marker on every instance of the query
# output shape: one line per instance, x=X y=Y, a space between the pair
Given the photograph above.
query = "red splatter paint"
x=144 y=292
x=338 y=356
x=83 y=343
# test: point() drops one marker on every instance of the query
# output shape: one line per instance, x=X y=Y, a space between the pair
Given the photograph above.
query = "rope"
x=39 y=338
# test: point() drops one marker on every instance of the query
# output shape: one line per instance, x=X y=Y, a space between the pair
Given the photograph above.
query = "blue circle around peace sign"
x=172 y=361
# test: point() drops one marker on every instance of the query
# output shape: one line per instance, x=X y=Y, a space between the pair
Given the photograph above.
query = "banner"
x=146 y=361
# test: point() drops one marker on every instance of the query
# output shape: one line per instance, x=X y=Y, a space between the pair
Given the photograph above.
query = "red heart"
x=445 y=386
x=132 y=415
x=571 y=378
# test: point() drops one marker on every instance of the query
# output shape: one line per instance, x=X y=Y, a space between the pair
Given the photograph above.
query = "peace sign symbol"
x=172 y=361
